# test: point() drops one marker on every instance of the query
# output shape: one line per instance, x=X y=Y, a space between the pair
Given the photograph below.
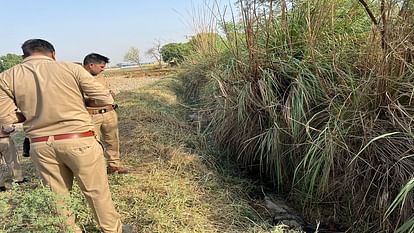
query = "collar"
x=37 y=58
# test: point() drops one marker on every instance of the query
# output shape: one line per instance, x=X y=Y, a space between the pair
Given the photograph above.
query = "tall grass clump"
x=317 y=96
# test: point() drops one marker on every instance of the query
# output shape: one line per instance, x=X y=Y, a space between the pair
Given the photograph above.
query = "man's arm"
x=108 y=85
x=8 y=110
x=112 y=93
x=97 y=94
x=94 y=103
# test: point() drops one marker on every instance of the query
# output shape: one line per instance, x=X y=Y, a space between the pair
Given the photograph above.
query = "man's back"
x=50 y=95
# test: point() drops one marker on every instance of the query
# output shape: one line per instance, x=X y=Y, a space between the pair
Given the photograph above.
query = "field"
x=139 y=72
x=177 y=183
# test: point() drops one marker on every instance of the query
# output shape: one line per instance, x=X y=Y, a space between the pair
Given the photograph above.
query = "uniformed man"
x=105 y=118
x=50 y=97
x=8 y=153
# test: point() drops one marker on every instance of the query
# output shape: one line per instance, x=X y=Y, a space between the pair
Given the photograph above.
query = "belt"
x=63 y=136
x=101 y=110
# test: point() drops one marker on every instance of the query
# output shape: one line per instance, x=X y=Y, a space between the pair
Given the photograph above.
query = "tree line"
x=9 y=60
x=171 y=53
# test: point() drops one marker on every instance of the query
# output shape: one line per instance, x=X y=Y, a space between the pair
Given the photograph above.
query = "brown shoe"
x=119 y=170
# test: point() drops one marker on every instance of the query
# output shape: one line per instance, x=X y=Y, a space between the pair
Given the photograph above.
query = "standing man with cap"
x=105 y=118
x=49 y=95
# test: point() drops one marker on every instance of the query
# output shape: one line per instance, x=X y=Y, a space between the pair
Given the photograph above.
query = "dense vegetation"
x=317 y=95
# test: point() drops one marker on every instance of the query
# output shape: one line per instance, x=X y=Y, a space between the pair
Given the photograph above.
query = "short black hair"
x=95 y=58
x=36 y=45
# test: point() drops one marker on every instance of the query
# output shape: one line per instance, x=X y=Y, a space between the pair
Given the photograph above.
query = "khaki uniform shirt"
x=102 y=80
x=50 y=96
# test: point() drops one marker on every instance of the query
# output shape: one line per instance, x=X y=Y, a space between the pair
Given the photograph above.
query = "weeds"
x=34 y=210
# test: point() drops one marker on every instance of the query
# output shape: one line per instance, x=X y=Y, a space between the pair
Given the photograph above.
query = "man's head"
x=38 y=47
x=95 y=63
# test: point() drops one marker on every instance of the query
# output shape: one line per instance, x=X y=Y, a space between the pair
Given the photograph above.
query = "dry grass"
x=173 y=189
x=143 y=72
x=175 y=184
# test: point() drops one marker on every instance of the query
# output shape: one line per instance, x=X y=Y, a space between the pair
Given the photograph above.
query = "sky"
x=109 y=27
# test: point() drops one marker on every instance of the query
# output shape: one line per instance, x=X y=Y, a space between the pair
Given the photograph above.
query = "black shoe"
x=2 y=189
x=22 y=181
x=24 y=154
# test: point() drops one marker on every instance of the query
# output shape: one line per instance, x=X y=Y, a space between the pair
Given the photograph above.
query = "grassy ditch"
x=316 y=98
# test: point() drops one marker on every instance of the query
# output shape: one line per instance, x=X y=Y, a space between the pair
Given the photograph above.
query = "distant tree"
x=132 y=55
x=9 y=60
x=175 y=52
x=205 y=40
x=155 y=52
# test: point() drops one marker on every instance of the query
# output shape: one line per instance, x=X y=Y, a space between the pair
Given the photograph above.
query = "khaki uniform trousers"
x=8 y=153
x=106 y=127
x=58 y=162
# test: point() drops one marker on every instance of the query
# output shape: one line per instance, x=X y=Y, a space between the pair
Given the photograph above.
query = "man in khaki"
x=105 y=118
x=8 y=153
x=50 y=97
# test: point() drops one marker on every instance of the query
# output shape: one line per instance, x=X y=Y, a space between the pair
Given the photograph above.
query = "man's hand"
x=112 y=93
x=8 y=128
x=20 y=117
